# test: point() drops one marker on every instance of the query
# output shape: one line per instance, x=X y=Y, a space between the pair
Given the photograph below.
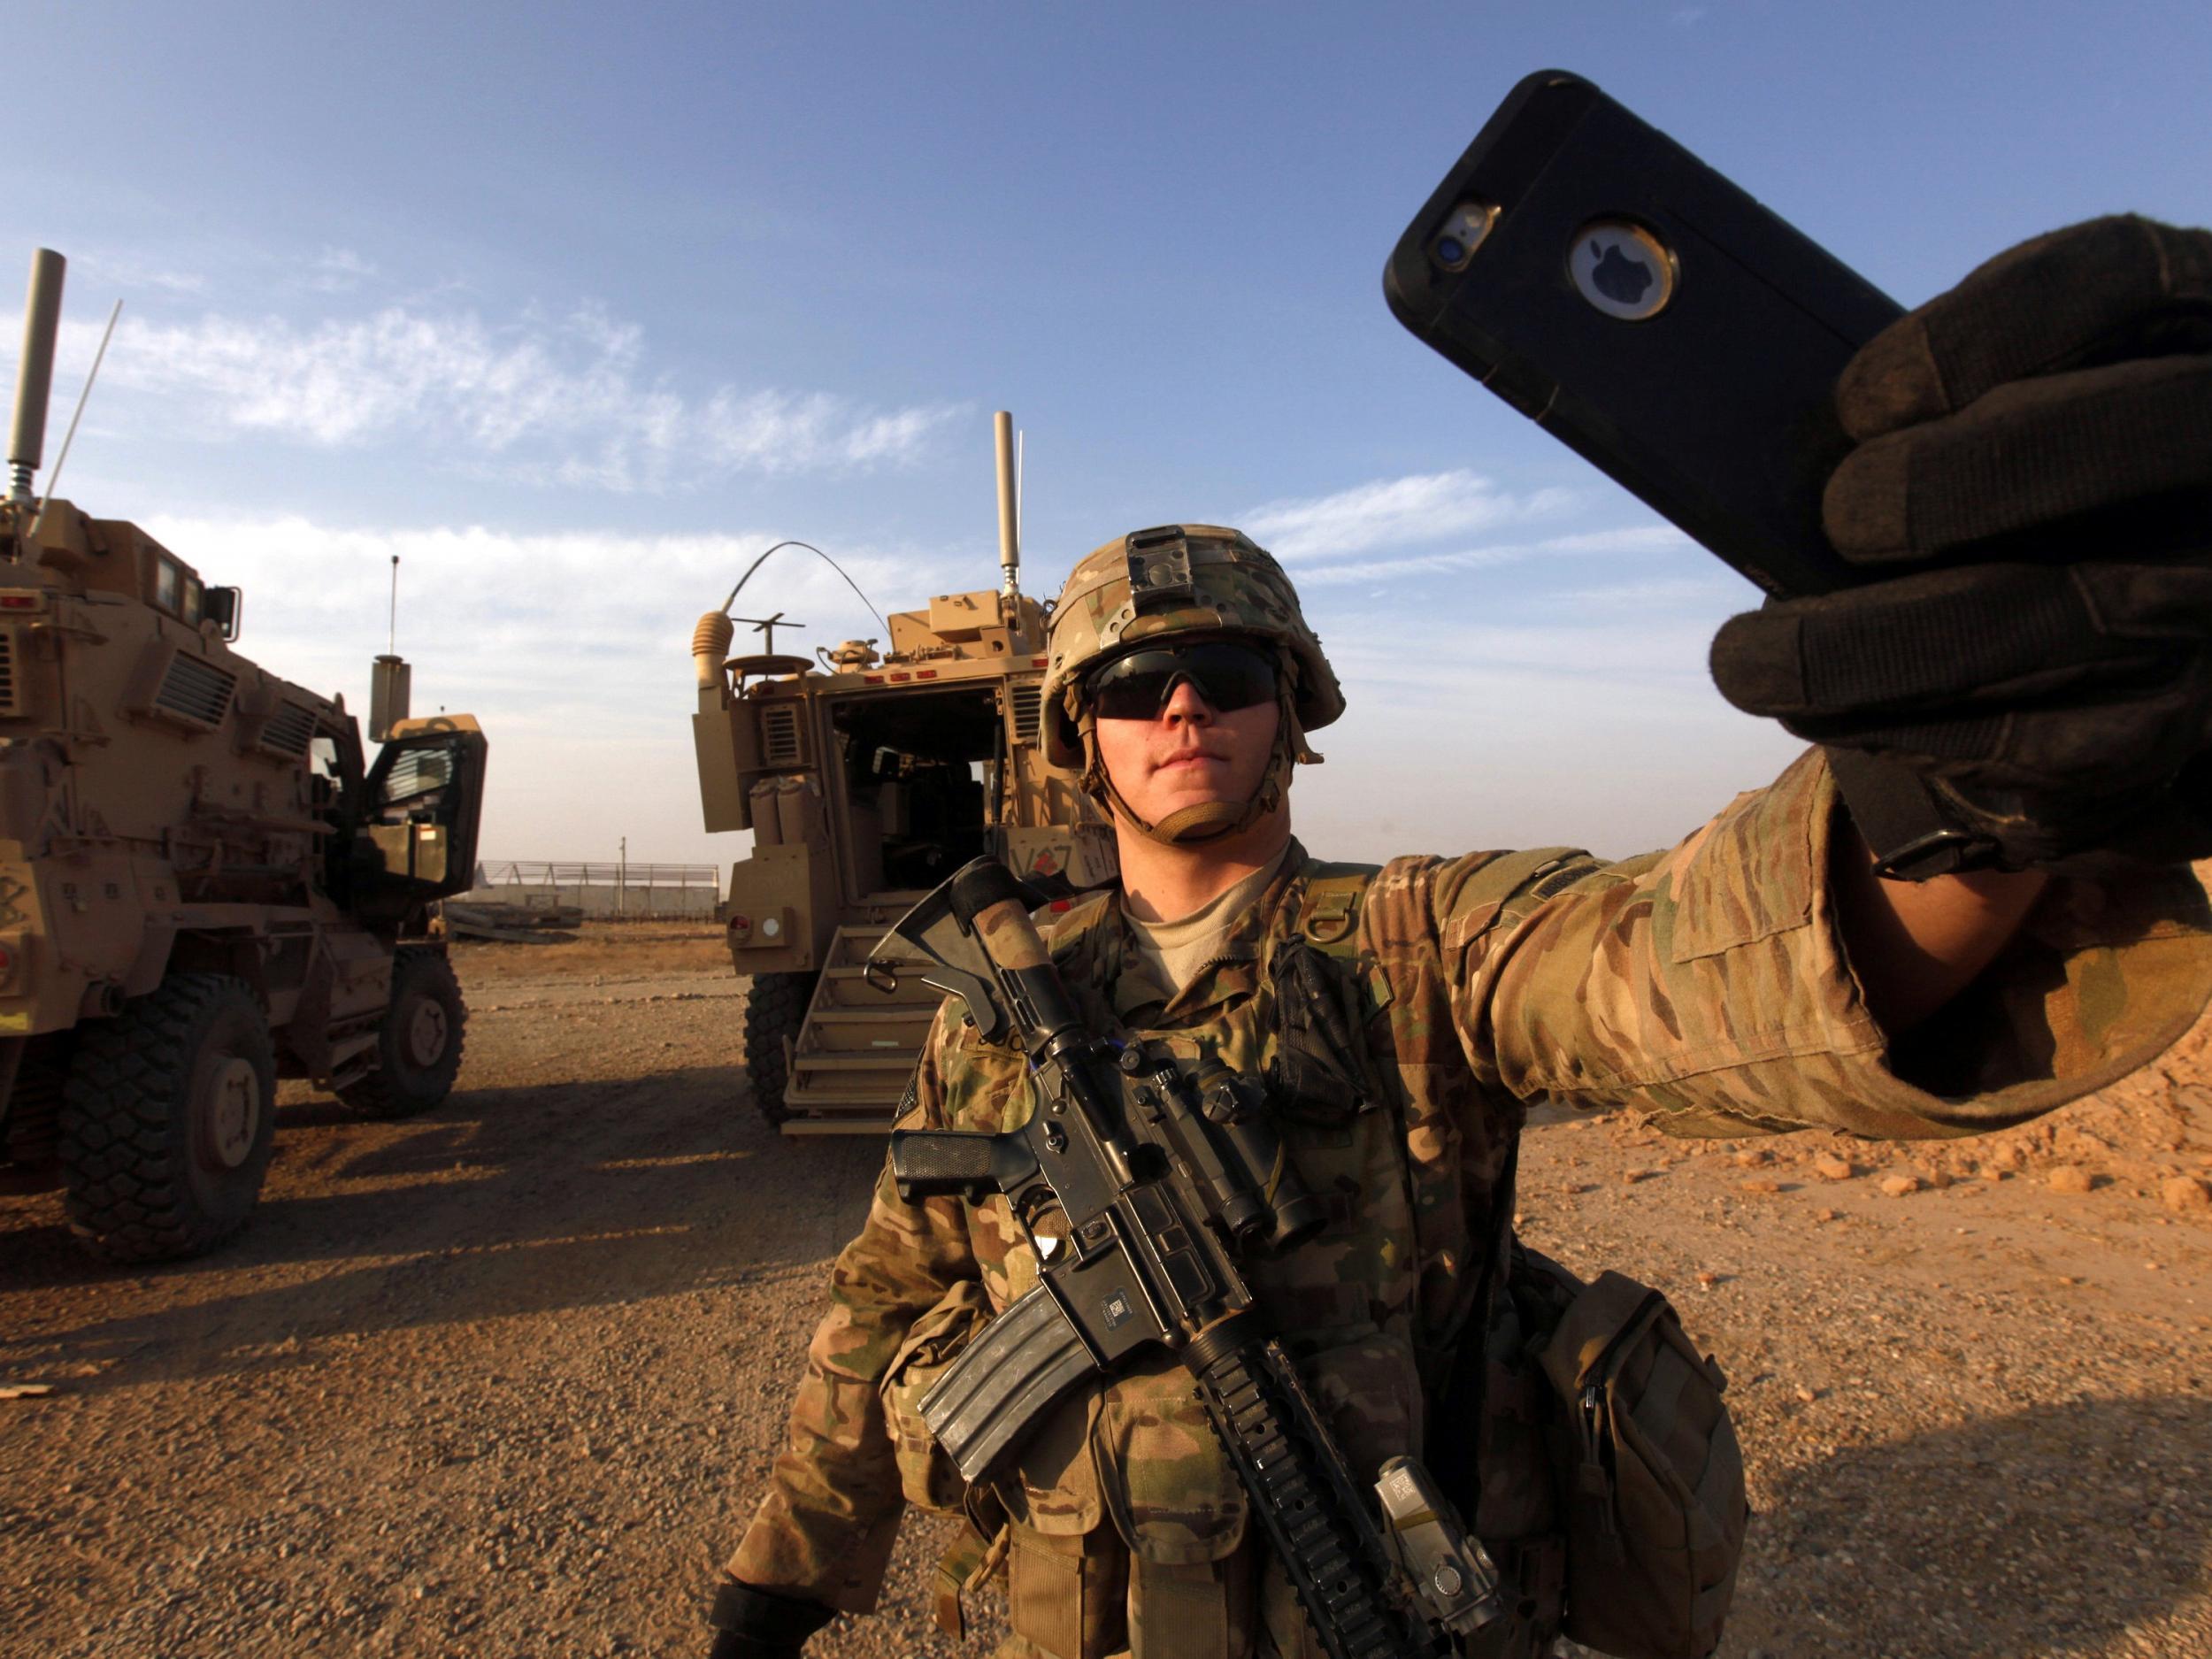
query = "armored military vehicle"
x=203 y=885
x=867 y=778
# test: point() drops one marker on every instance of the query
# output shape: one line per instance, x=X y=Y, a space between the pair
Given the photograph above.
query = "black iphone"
x=1648 y=314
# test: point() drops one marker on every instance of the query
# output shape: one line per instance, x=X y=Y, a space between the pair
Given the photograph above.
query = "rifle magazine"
x=1027 y=1359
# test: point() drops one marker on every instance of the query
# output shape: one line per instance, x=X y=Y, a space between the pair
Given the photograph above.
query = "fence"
x=626 y=892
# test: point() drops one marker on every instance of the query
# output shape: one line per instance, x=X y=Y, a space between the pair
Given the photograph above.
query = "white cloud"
x=131 y=271
x=1662 y=594
x=563 y=400
x=1633 y=539
x=1391 y=513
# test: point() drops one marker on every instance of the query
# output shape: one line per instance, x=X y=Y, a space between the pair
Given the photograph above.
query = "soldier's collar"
x=1245 y=940
x=1246 y=936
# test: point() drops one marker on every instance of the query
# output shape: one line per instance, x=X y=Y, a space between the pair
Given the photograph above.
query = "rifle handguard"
x=1303 y=1495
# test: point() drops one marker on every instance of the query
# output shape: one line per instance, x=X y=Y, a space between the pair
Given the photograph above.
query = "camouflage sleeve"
x=824 y=1529
x=1710 y=983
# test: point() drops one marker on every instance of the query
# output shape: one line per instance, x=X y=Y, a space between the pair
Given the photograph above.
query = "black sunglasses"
x=1227 y=674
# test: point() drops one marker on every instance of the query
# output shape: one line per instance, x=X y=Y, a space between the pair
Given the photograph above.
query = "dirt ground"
x=504 y=1381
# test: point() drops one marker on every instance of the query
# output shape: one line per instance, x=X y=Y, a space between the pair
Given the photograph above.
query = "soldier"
x=1758 y=977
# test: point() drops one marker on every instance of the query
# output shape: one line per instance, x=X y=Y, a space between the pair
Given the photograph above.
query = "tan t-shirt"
x=1172 y=952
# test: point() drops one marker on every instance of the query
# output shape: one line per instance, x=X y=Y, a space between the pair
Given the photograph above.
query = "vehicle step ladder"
x=859 y=1044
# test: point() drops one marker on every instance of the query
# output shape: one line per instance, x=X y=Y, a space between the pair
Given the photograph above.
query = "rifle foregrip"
x=935 y=1163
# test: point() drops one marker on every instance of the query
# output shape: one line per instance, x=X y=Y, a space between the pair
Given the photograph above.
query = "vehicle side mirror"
x=226 y=608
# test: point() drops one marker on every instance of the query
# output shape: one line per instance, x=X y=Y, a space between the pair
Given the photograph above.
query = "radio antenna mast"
x=1009 y=536
x=391 y=682
x=35 y=372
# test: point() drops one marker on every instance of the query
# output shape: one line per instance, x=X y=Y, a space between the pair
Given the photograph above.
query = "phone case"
x=1650 y=315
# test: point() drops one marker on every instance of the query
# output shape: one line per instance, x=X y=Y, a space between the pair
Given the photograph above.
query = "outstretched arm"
x=1721 y=985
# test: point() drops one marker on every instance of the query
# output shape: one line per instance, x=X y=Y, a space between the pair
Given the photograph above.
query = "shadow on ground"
x=503 y=1201
x=2053 y=1531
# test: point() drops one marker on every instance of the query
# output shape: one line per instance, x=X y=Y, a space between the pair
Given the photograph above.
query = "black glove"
x=2034 y=462
x=753 y=1623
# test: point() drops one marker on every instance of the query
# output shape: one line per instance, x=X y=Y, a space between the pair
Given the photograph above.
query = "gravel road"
x=504 y=1381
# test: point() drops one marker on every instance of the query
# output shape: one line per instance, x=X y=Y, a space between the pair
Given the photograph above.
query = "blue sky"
x=578 y=310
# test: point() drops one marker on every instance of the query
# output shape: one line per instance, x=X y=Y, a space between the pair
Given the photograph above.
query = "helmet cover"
x=1151 y=587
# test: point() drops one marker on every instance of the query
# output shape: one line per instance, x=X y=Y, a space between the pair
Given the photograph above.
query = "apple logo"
x=1620 y=279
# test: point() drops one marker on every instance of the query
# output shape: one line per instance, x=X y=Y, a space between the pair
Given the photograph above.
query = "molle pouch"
x=1652 y=1482
x=1067 y=1576
x=927 y=1475
x=1176 y=1503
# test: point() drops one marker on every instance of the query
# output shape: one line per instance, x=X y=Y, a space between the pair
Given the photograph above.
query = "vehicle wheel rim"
x=427 y=1033
x=234 y=1117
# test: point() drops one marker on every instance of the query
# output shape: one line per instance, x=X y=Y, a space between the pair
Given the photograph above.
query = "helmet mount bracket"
x=1159 y=568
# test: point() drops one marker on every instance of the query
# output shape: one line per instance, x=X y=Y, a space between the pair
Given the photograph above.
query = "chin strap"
x=1209 y=820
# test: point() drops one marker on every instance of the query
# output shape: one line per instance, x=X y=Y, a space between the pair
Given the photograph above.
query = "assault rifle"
x=1142 y=1187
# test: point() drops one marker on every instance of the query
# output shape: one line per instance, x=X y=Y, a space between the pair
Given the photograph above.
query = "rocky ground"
x=504 y=1381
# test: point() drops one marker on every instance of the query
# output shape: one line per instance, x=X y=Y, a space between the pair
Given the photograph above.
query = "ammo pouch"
x=927 y=1475
x=1649 y=1479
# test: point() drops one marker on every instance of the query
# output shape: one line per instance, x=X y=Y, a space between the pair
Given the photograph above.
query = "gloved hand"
x=754 y=1623
x=2033 y=483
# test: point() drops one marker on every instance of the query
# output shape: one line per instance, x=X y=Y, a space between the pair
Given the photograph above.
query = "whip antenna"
x=53 y=479
x=818 y=554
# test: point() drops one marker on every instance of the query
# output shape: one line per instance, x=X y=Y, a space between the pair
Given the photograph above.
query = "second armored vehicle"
x=866 y=779
x=205 y=884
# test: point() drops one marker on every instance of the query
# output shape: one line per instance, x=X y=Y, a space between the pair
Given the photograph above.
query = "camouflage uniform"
x=1707 y=982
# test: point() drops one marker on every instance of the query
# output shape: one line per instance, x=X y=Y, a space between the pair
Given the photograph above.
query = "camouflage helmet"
x=1178 y=579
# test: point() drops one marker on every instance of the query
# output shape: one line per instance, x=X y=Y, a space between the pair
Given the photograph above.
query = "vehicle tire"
x=419 y=1047
x=775 y=1007
x=167 y=1119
